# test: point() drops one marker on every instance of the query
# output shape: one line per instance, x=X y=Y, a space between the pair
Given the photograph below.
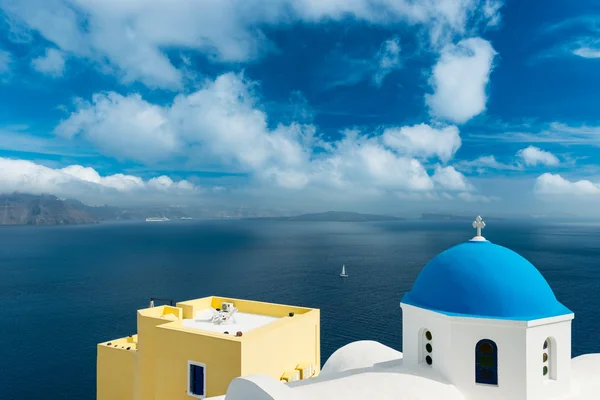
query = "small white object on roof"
x=225 y=315
x=243 y=322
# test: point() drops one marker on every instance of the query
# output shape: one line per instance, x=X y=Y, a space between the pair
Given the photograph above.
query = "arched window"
x=486 y=362
x=549 y=359
x=426 y=347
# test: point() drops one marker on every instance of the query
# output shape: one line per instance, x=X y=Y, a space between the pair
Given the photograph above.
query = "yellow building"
x=196 y=348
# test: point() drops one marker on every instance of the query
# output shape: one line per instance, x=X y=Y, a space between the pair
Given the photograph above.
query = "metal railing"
x=152 y=299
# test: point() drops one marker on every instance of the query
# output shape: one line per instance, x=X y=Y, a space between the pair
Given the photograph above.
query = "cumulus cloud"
x=359 y=160
x=533 y=156
x=51 y=63
x=222 y=124
x=126 y=127
x=83 y=182
x=450 y=179
x=131 y=37
x=388 y=59
x=424 y=140
x=555 y=184
x=459 y=80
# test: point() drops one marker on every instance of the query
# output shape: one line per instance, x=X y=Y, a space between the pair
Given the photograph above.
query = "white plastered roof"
x=370 y=370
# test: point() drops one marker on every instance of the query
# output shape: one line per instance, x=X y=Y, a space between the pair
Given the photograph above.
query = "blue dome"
x=481 y=279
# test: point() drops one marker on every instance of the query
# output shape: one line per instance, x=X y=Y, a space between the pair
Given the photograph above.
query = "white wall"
x=414 y=320
x=520 y=350
x=509 y=337
x=559 y=329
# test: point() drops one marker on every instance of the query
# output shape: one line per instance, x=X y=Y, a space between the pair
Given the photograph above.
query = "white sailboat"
x=343 y=274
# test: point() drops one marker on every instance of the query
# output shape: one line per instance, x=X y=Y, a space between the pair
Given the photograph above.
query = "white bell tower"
x=486 y=319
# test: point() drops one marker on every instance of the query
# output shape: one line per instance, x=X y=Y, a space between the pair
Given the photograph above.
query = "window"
x=196 y=380
x=486 y=362
x=548 y=359
x=426 y=349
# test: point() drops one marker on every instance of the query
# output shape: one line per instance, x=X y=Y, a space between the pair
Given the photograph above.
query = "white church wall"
x=414 y=321
x=509 y=337
x=557 y=382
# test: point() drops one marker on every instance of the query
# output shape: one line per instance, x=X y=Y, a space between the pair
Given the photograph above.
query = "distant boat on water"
x=185 y=218
x=343 y=274
x=157 y=219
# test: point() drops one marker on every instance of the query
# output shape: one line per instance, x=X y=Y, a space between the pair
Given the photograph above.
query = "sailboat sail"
x=343 y=274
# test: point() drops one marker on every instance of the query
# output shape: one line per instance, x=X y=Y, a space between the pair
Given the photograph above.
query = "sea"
x=63 y=289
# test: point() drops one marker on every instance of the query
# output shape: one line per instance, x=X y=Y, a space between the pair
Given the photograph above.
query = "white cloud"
x=587 y=52
x=450 y=179
x=555 y=132
x=165 y=183
x=340 y=69
x=388 y=59
x=563 y=133
x=221 y=124
x=483 y=163
x=51 y=63
x=491 y=12
x=477 y=198
x=357 y=161
x=533 y=156
x=83 y=182
x=126 y=127
x=130 y=37
x=6 y=60
x=459 y=80
x=424 y=140
x=224 y=119
x=555 y=184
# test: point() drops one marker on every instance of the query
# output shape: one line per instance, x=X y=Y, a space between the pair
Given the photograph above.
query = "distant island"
x=30 y=209
x=48 y=209
x=334 y=216
x=451 y=217
x=26 y=209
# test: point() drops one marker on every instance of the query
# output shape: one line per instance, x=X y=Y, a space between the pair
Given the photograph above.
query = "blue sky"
x=366 y=105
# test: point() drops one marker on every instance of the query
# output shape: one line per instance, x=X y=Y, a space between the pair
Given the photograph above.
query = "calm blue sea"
x=64 y=289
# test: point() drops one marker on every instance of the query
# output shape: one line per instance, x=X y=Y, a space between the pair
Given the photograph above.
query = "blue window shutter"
x=197 y=380
x=486 y=362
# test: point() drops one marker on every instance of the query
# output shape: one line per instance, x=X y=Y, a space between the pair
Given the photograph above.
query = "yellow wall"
x=147 y=321
x=158 y=370
x=115 y=373
x=191 y=306
x=246 y=306
x=221 y=355
x=282 y=345
x=259 y=307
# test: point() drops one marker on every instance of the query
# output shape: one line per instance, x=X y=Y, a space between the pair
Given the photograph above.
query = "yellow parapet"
x=181 y=352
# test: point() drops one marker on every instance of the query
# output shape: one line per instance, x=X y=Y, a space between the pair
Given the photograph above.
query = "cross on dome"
x=479 y=225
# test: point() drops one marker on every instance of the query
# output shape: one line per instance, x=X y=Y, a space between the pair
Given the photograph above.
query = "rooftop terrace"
x=241 y=322
x=204 y=315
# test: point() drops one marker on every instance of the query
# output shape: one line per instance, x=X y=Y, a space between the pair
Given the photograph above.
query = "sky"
x=363 y=105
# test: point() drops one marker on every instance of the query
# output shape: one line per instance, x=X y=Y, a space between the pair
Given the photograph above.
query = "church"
x=480 y=322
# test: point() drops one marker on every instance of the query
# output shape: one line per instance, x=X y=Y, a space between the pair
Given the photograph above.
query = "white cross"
x=479 y=225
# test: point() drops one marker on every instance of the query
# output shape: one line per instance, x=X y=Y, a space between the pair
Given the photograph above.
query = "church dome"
x=481 y=279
